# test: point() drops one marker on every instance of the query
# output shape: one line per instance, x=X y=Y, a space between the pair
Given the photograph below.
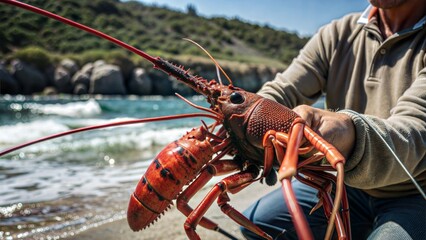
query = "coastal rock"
x=62 y=80
x=208 y=72
x=161 y=83
x=29 y=78
x=70 y=65
x=127 y=67
x=8 y=84
x=140 y=83
x=49 y=73
x=98 y=63
x=82 y=76
x=81 y=89
x=247 y=79
x=107 y=79
x=50 y=91
x=87 y=68
x=265 y=74
x=181 y=88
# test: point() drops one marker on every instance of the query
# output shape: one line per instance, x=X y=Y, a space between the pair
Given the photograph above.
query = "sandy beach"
x=170 y=226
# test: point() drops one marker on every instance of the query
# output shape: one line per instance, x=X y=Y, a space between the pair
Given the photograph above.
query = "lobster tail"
x=165 y=177
x=139 y=216
x=145 y=205
x=151 y=197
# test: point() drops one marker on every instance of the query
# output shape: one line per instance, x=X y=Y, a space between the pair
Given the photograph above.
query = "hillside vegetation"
x=156 y=30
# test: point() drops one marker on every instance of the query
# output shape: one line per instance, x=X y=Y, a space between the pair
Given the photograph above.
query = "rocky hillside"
x=46 y=49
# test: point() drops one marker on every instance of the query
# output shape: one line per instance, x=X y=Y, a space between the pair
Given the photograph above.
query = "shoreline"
x=170 y=225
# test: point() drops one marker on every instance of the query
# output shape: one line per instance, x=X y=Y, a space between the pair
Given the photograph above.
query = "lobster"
x=259 y=134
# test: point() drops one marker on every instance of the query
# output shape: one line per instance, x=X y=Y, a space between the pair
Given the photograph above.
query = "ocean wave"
x=139 y=137
x=73 y=109
x=23 y=132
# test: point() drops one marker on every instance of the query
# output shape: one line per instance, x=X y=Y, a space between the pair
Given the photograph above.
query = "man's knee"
x=389 y=230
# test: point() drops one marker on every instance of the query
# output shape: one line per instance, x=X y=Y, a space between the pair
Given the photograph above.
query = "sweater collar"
x=371 y=12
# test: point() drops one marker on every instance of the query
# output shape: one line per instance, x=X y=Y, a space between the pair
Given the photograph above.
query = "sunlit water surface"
x=61 y=187
x=64 y=186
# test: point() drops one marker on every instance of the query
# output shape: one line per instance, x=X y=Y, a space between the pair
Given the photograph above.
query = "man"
x=372 y=68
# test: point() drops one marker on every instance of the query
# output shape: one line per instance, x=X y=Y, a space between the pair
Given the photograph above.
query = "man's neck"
x=398 y=18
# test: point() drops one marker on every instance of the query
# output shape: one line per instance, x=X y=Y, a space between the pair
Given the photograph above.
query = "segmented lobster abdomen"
x=164 y=179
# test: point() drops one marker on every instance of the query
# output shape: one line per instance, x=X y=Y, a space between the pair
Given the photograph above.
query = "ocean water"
x=60 y=187
x=64 y=186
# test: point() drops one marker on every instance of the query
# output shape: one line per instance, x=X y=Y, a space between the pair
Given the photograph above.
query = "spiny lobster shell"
x=174 y=167
x=248 y=122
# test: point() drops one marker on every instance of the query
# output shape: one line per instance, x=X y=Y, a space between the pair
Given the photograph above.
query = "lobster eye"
x=236 y=98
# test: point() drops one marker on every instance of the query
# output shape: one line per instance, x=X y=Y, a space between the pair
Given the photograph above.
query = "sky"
x=303 y=17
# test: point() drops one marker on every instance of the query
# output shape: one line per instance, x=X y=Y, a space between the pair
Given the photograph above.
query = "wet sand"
x=170 y=225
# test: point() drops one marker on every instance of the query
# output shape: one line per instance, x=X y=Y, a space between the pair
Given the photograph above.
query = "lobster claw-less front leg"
x=213 y=169
x=232 y=184
x=288 y=159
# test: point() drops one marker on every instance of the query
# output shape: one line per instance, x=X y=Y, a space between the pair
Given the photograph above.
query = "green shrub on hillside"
x=149 y=28
x=110 y=56
x=34 y=55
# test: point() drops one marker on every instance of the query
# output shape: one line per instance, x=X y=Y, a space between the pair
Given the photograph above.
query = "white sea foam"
x=73 y=109
x=22 y=132
x=139 y=136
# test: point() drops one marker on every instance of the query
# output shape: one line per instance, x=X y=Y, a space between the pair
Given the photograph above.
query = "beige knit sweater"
x=385 y=80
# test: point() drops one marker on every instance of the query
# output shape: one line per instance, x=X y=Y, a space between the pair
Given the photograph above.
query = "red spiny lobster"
x=260 y=134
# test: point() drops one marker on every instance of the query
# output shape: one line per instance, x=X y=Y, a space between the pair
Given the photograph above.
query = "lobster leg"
x=345 y=204
x=215 y=169
x=238 y=217
x=289 y=165
x=324 y=187
x=335 y=158
x=288 y=169
x=233 y=183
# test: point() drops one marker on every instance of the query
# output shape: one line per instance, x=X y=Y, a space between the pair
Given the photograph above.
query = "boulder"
x=82 y=76
x=81 y=89
x=70 y=65
x=208 y=71
x=107 y=79
x=62 y=80
x=161 y=83
x=127 y=67
x=28 y=77
x=247 y=79
x=50 y=91
x=140 y=83
x=49 y=73
x=8 y=85
x=265 y=74
x=88 y=68
x=98 y=63
x=181 y=88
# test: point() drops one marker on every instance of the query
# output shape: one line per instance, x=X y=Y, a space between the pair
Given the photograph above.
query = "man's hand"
x=336 y=128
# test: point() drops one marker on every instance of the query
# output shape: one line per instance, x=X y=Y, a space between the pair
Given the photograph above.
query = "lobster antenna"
x=107 y=125
x=198 y=107
x=218 y=75
x=211 y=57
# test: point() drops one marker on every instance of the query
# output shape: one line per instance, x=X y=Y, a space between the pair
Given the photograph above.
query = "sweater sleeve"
x=305 y=79
x=372 y=165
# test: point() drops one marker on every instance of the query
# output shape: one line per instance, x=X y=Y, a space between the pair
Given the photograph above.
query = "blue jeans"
x=371 y=218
